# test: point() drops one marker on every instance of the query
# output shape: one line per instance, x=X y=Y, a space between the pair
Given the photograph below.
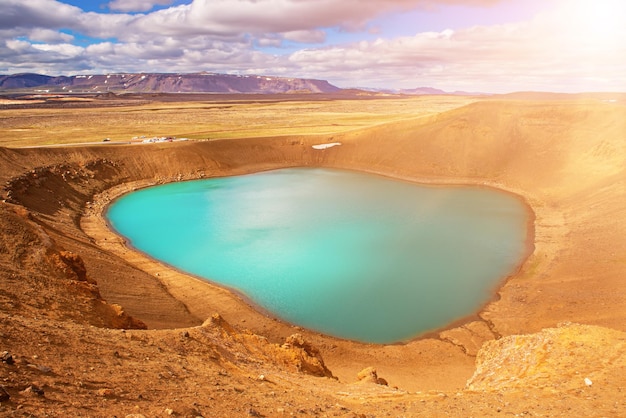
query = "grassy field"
x=214 y=118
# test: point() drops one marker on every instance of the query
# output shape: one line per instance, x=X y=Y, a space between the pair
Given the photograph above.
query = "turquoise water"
x=348 y=254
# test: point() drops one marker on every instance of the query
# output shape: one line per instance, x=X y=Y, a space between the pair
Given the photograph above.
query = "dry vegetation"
x=218 y=117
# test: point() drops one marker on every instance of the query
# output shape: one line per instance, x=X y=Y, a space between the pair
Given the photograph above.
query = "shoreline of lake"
x=233 y=303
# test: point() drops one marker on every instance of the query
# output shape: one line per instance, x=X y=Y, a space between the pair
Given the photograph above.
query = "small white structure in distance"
x=324 y=146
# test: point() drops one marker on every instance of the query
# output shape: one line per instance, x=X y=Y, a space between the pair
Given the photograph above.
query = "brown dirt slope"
x=64 y=277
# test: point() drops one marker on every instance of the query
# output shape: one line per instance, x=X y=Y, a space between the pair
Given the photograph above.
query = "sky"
x=491 y=46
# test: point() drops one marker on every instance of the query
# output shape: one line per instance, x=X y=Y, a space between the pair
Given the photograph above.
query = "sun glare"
x=599 y=23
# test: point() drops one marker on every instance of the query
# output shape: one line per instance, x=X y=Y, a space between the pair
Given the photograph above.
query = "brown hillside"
x=74 y=299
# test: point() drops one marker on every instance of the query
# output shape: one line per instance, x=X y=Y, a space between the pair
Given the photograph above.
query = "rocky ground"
x=92 y=329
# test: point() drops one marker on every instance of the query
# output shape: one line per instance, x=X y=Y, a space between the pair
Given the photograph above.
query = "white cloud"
x=22 y=56
x=99 y=25
x=100 y=49
x=67 y=50
x=47 y=14
x=137 y=5
x=226 y=18
x=306 y=36
x=233 y=17
x=549 y=53
x=576 y=46
x=48 y=35
x=269 y=41
x=17 y=45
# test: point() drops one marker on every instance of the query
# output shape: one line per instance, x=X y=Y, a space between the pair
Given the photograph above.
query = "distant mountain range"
x=426 y=91
x=433 y=91
x=162 y=83
x=203 y=82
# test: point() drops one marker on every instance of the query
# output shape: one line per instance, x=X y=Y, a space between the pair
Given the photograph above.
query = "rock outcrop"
x=370 y=375
x=570 y=357
x=303 y=356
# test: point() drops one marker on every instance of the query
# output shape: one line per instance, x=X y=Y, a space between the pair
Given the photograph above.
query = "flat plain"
x=203 y=117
